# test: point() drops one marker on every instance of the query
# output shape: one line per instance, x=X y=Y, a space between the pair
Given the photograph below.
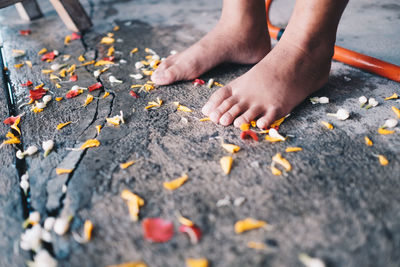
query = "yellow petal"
x=29 y=63
x=256 y=245
x=231 y=148
x=98 y=128
x=253 y=123
x=71 y=69
x=12 y=139
x=248 y=224
x=196 y=262
x=88 y=63
x=81 y=58
x=130 y=264
x=90 y=143
x=88 y=100
x=327 y=125
x=147 y=72
x=394 y=96
x=60 y=171
x=205 y=119
x=54 y=77
x=58 y=99
x=134 y=50
x=183 y=108
x=129 y=196
x=107 y=40
x=126 y=164
x=106 y=94
x=368 y=141
x=226 y=164
x=282 y=161
x=385 y=131
x=87 y=230
x=67 y=39
x=134 y=203
x=42 y=51
x=396 y=111
x=62 y=125
x=293 y=149
x=185 y=221
x=175 y=184
x=218 y=84
x=245 y=126
x=383 y=160
x=110 y=51
x=63 y=73
x=103 y=62
x=273 y=139
x=15 y=125
x=114 y=120
x=17 y=66
x=47 y=71
x=277 y=122
x=275 y=171
x=58 y=85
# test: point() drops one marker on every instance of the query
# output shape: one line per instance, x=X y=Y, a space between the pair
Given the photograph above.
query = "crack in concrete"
x=20 y=165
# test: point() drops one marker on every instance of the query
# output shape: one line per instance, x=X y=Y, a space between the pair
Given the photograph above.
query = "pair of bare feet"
x=282 y=77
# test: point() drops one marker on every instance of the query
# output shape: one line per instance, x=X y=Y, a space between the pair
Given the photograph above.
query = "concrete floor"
x=338 y=203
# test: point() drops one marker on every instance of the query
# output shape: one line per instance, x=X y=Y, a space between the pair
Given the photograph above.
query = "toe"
x=166 y=76
x=216 y=114
x=231 y=114
x=266 y=120
x=216 y=99
x=247 y=116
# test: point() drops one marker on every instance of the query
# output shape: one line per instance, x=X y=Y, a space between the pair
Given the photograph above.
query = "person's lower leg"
x=241 y=36
x=296 y=67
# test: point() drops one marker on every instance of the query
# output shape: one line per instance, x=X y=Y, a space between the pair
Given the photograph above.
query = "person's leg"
x=296 y=67
x=241 y=36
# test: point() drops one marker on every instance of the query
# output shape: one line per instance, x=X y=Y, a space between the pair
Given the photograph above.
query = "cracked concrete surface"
x=338 y=203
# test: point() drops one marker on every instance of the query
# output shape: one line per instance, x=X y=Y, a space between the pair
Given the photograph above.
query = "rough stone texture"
x=338 y=203
x=11 y=213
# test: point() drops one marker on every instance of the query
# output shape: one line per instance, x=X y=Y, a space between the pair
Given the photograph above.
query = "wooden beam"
x=5 y=3
x=28 y=10
x=72 y=14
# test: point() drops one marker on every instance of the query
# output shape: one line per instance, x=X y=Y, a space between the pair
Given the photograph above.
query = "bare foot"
x=296 y=67
x=272 y=88
x=241 y=36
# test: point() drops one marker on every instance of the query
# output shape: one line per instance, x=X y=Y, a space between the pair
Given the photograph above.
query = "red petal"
x=73 y=78
x=198 y=81
x=95 y=86
x=10 y=120
x=193 y=232
x=37 y=94
x=72 y=93
x=109 y=58
x=249 y=133
x=132 y=93
x=25 y=32
x=157 y=230
x=75 y=36
x=28 y=83
x=48 y=56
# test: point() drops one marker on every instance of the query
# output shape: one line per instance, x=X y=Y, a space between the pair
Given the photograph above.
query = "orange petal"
x=175 y=184
x=248 y=224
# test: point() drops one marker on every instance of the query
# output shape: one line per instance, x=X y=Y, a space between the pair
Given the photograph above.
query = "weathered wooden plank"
x=72 y=14
x=338 y=203
x=29 y=10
